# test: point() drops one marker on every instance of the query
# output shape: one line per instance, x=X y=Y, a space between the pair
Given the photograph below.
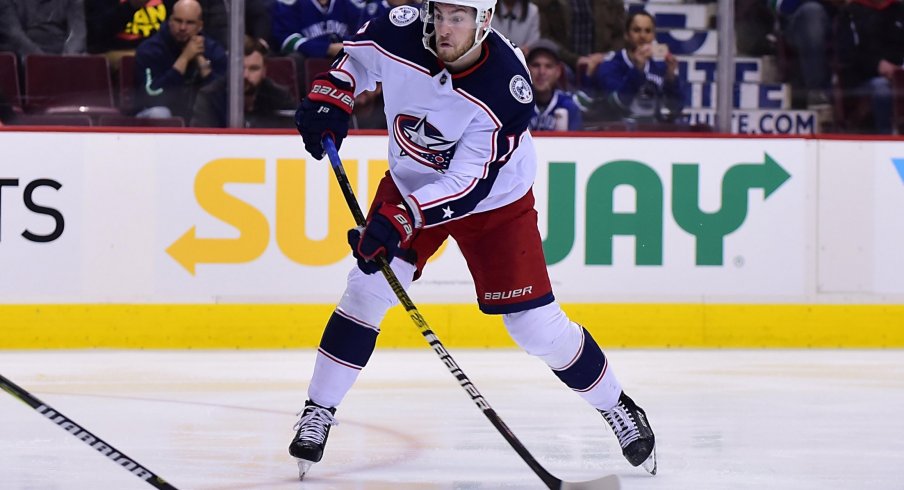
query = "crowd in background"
x=592 y=62
x=843 y=54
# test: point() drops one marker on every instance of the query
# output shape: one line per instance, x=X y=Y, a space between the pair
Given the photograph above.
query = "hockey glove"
x=325 y=111
x=389 y=228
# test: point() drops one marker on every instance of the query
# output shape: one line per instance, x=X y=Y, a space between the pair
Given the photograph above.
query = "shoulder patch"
x=521 y=90
x=403 y=15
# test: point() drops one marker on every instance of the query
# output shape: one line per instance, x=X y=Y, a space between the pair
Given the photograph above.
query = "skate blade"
x=303 y=467
x=650 y=464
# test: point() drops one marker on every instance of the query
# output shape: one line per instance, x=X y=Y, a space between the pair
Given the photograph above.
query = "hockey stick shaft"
x=84 y=435
x=348 y=192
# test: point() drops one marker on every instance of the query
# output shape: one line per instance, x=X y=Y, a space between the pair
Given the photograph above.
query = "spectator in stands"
x=264 y=99
x=870 y=48
x=755 y=24
x=806 y=26
x=42 y=27
x=175 y=63
x=315 y=28
x=519 y=21
x=119 y=26
x=216 y=20
x=585 y=30
x=638 y=83
x=305 y=29
x=554 y=109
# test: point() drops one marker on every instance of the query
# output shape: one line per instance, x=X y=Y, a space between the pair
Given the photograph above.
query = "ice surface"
x=724 y=420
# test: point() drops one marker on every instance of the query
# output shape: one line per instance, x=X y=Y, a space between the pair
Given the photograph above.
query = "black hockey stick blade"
x=607 y=483
x=84 y=435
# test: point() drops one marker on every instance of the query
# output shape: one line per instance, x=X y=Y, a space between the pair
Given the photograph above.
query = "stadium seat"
x=51 y=120
x=851 y=113
x=9 y=81
x=127 y=84
x=897 y=90
x=313 y=66
x=147 y=122
x=282 y=70
x=73 y=84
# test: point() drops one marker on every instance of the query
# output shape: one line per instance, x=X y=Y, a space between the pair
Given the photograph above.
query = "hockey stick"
x=610 y=482
x=84 y=435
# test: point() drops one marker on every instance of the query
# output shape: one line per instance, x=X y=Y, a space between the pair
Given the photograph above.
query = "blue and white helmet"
x=485 y=10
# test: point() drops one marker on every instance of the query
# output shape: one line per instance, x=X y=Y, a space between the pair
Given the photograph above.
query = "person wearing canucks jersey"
x=313 y=28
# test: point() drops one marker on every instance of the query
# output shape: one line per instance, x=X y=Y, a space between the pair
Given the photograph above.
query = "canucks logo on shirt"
x=423 y=142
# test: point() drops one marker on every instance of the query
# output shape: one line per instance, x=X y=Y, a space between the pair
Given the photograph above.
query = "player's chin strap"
x=610 y=482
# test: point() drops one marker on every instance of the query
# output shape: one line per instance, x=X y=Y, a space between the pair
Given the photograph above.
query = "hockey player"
x=461 y=164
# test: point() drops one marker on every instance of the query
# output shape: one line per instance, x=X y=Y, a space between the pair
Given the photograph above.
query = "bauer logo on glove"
x=404 y=225
x=327 y=92
x=316 y=118
x=388 y=229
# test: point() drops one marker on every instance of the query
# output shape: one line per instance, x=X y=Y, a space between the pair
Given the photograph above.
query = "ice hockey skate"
x=312 y=428
x=629 y=422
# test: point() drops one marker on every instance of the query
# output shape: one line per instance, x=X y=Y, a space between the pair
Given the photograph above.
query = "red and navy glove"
x=389 y=228
x=325 y=111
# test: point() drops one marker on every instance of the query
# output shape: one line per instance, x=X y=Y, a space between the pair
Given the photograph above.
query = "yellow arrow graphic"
x=254 y=230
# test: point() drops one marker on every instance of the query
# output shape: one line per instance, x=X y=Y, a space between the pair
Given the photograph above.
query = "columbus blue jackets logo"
x=403 y=15
x=421 y=141
x=521 y=89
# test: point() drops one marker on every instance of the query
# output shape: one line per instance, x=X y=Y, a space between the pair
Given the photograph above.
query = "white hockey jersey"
x=458 y=143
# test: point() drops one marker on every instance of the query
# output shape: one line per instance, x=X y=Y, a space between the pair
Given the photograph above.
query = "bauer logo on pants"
x=515 y=293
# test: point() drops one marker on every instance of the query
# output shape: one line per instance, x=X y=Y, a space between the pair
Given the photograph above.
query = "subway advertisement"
x=209 y=219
